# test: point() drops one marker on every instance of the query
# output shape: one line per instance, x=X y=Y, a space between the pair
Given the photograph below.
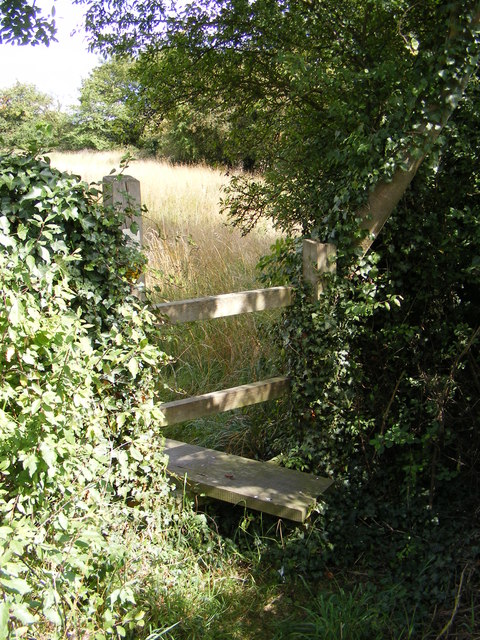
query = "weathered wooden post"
x=318 y=258
x=123 y=193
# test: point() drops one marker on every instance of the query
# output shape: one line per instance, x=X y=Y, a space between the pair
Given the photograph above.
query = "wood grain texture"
x=226 y=400
x=124 y=194
x=281 y=492
x=226 y=304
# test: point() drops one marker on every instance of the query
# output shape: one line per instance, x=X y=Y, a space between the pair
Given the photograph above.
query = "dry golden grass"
x=192 y=252
x=191 y=249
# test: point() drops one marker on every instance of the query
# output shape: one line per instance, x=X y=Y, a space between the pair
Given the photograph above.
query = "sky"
x=58 y=69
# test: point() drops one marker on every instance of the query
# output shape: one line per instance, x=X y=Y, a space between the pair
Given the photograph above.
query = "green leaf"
x=16 y=585
x=36 y=404
x=4 y=616
x=35 y=194
x=133 y=367
x=44 y=253
x=135 y=453
x=52 y=615
x=6 y=241
x=48 y=453
x=31 y=264
x=62 y=521
x=28 y=358
x=22 y=231
x=23 y=614
x=30 y=463
x=16 y=311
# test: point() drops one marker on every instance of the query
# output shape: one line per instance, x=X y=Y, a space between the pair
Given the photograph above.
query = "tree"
x=28 y=116
x=118 y=107
x=355 y=82
x=22 y=22
x=455 y=66
x=106 y=116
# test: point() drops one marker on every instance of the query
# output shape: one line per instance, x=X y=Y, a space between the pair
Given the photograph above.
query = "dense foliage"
x=23 y=22
x=118 y=108
x=81 y=467
x=386 y=387
x=104 y=118
x=28 y=118
x=338 y=103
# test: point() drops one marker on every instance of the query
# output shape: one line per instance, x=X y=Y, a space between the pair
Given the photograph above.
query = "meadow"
x=193 y=251
x=190 y=246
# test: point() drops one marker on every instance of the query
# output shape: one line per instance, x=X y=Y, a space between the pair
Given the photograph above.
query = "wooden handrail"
x=226 y=304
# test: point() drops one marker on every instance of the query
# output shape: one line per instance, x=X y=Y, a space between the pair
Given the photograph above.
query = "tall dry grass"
x=191 y=248
x=192 y=251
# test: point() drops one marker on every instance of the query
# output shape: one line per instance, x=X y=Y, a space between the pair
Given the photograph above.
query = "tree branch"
x=386 y=195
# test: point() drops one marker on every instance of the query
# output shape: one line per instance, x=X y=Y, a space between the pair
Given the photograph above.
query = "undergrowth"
x=96 y=540
x=385 y=561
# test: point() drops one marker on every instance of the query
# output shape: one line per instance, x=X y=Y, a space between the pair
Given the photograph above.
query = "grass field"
x=191 y=248
x=192 y=251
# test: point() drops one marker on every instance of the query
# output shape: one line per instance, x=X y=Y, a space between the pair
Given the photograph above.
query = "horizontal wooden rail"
x=219 y=401
x=226 y=304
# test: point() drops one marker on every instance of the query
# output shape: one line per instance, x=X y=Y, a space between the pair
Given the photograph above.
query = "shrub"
x=386 y=383
x=80 y=462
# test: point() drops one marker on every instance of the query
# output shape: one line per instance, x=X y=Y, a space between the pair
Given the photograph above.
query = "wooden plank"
x=318 y=258
x=226 y=304
x=281 y=492
x=225 y=400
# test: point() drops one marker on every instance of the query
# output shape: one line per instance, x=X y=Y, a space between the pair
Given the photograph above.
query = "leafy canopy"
x=327 y=98
x=105 y=117
x=22 y=22
x=28 y=117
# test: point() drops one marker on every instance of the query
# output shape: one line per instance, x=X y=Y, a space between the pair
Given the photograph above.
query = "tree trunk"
x=386 y=195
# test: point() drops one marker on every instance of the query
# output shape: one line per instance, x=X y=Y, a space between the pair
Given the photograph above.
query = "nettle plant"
x=81 y=466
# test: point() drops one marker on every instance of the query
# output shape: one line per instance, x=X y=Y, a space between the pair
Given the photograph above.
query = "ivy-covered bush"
x=385 y=371
x=55 y=214
x=81 y=463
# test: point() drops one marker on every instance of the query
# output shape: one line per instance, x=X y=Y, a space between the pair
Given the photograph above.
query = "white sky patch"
x=58 y=69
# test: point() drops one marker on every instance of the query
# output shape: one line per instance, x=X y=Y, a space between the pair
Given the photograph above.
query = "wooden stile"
x=281 y=492
x=266 y=487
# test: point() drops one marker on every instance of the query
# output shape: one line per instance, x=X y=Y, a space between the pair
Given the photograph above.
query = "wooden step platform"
x=263 y=486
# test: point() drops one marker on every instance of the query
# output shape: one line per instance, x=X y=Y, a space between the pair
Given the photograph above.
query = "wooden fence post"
x=123 y=192
x=318 y=258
